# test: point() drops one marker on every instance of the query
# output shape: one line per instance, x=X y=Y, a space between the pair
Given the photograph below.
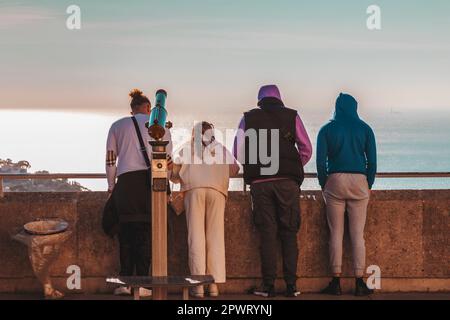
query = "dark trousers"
x=276 y=213
x=135 y=248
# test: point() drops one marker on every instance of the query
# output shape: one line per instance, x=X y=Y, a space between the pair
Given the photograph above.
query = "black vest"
x=283 y=119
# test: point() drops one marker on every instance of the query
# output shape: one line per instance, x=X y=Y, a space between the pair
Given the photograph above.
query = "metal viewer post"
x=159 y=214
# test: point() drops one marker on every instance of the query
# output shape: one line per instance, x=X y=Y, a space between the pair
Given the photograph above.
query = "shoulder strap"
x=141 y=142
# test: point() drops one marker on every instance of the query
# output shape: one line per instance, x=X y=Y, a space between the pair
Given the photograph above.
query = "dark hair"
x=137 y=98
x=206 y=126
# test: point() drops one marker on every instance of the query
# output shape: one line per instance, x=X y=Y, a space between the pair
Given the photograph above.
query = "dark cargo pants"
x=276 y=213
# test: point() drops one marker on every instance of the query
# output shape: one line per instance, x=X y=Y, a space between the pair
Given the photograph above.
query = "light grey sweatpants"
x=347 y=192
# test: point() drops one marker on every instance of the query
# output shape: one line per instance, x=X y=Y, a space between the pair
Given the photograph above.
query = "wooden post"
x=185 y=293
x=2 y=194
x=159 y=215
x=136 y=295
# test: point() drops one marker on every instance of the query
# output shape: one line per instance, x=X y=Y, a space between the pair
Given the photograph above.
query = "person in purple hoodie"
x=278 y=131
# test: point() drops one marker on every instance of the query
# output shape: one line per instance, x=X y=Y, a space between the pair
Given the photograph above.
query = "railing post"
x=2 y=194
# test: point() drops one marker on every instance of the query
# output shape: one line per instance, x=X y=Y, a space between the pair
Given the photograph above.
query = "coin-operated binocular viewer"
x=159 y=185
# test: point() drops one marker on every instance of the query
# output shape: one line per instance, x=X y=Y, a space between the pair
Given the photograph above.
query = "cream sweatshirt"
x=212 y=169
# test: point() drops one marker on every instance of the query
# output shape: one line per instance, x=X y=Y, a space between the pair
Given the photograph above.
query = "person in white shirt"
x=129 y=179
x=203 y=166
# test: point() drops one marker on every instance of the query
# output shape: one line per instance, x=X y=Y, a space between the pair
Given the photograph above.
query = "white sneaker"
x=213 y=290
x=145 y=293
x=198 y=292
x=122 y=291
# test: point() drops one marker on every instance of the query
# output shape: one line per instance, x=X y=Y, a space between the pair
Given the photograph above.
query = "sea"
x=74 y=142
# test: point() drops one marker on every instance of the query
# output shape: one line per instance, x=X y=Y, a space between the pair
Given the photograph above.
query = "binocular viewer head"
x=158 y=116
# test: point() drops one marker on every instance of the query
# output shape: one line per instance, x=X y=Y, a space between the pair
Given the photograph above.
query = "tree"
x=37 y=185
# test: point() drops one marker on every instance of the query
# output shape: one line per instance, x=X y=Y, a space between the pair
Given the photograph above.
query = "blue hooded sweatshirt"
x=346 y=144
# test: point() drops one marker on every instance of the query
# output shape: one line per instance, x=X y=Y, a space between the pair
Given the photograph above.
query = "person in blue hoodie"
x=346 y=167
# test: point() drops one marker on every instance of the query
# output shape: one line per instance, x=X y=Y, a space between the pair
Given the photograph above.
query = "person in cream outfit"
x=203 y=166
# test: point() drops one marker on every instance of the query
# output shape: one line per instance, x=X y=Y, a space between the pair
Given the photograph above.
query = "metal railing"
x=50 y=176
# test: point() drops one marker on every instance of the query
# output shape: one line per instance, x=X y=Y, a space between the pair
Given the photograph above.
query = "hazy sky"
x=213 y=55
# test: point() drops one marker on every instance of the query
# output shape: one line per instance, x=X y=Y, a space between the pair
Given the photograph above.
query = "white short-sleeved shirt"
x=123 y=141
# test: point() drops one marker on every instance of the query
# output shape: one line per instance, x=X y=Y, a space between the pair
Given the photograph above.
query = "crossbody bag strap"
x=144 y=152
x=141 y=142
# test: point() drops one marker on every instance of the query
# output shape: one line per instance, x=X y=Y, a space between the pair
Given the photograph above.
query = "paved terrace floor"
x=380 y=296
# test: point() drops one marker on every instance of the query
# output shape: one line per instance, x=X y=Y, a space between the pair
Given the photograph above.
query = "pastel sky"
x=212 y=56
